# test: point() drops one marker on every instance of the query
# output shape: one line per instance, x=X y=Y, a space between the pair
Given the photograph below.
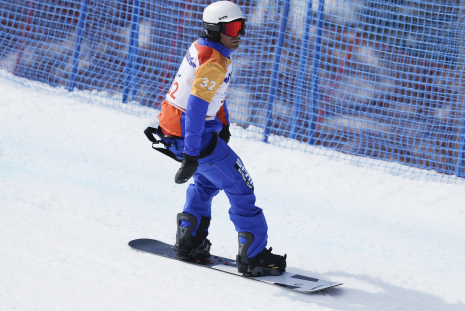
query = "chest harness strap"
x=159 y=132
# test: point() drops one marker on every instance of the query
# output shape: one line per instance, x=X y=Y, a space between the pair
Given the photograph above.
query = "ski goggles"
x=232 y=29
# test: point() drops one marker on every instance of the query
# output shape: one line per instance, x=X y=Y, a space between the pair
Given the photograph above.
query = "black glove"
x=188 y=168
x=225 y=134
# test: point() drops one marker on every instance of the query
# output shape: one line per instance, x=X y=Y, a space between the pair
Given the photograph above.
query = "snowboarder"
x=193 y=116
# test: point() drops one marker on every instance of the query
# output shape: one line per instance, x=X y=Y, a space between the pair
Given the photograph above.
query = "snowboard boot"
x=265 y=263
x=192 y=248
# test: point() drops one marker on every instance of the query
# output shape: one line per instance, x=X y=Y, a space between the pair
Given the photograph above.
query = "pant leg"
x=199 y=197
x=226 y=171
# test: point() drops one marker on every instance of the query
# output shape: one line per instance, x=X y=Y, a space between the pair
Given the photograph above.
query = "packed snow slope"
x=79 y=181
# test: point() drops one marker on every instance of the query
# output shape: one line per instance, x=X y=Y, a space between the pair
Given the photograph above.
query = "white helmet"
x=216 y=17
x=222 y=12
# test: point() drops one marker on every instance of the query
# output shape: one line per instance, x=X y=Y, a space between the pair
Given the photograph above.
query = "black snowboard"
x=292 y=281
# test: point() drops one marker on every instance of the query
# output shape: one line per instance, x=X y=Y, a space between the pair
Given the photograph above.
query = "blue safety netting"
x=347 y=78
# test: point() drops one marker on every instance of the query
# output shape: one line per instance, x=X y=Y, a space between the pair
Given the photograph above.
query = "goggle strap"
x=212 y=27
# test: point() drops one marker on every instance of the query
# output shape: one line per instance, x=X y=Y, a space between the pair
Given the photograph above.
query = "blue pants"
x=223 y=170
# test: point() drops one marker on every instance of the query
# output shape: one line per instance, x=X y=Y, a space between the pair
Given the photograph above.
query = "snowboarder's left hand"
x=225 y=134
x=188 y=168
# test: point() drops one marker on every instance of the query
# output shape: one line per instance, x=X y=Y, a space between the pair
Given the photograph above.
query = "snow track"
x=78 y=181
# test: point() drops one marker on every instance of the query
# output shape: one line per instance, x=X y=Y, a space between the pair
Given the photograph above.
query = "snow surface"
x=79 y=181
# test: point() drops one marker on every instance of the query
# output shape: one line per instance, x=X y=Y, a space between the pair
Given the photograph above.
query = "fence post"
x=461 y=131
x=460 y=162
x=316 y=68
x=133 y=55
x=301 y=69
x=276 y=67
x=77 y=45
x=24 y=35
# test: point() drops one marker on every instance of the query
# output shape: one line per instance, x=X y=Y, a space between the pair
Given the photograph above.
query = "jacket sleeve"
x=207 y=80
x=223 y=114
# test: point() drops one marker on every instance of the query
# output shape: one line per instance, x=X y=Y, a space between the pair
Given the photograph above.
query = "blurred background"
x=376 y=79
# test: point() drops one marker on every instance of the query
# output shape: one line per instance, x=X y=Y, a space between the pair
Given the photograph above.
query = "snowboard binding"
x=188 y=247
x=265 y=263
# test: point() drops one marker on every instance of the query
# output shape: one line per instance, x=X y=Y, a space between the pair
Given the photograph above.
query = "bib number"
x=205 y=84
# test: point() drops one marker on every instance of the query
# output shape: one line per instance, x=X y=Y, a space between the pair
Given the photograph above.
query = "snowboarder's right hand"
x=188 y=168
